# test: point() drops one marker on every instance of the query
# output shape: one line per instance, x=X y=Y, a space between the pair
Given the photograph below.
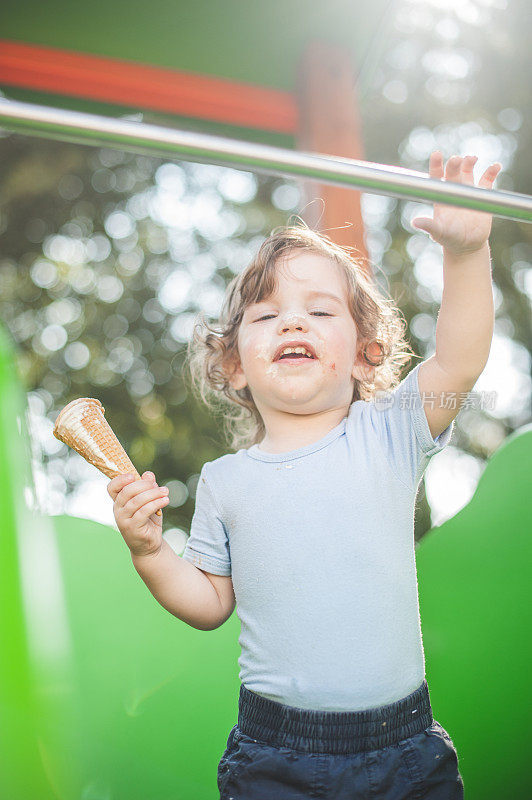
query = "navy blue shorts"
x=394 y=752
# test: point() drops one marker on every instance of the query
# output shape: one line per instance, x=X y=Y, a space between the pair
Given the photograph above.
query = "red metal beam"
x=329 y=123
x=143 y=86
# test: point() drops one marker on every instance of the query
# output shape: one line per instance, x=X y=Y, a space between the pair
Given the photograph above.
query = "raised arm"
x=464 y=329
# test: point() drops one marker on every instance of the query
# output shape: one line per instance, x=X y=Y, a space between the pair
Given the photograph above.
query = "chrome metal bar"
x=140 y=137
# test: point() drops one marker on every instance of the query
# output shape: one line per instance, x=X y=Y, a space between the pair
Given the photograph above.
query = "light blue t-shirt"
x=320 y=545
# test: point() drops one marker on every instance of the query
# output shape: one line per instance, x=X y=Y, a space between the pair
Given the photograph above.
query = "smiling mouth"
x=294 y=350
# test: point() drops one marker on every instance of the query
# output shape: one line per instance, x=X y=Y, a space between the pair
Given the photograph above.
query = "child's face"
x=301 y=310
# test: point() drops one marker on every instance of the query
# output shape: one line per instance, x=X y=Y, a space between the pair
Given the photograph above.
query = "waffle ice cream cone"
x=83 y=427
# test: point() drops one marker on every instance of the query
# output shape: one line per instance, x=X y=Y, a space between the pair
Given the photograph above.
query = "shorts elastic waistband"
x=333 y=732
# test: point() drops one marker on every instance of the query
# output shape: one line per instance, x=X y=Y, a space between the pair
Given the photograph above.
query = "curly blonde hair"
x=213 y=346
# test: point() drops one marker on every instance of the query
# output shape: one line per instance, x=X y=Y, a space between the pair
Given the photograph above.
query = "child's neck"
x=286 y=432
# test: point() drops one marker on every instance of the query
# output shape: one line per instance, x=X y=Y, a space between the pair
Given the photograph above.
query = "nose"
x=292 y=321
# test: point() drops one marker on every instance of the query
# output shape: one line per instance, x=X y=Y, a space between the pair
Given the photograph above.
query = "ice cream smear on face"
x=289 y=369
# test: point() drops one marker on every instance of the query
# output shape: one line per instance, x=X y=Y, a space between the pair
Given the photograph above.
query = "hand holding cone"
x=83 y=427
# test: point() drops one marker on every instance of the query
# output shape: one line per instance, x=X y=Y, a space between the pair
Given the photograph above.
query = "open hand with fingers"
x=459 y=230
x=135 y=504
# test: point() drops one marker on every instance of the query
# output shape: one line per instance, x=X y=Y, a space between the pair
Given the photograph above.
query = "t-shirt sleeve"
x=400 y=422
x=208 y=545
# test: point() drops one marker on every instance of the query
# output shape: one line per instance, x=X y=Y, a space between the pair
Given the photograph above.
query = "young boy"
x=309 y=525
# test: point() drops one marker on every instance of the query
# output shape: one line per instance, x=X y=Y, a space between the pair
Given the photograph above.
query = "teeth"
x=295 y=350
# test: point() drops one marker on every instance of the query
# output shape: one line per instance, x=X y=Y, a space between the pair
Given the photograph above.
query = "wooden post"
x=329 y=123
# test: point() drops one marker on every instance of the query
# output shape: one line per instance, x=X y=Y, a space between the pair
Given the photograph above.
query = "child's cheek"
x=252 y=344
x=261 y=349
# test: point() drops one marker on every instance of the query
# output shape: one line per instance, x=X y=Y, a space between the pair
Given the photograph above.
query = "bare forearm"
x=180 y=587
x=464 y=329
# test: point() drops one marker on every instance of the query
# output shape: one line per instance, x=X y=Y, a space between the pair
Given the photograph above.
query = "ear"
x=362 y=371
x=235 y=373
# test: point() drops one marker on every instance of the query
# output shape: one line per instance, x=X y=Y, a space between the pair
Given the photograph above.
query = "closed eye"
x=316 y=313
